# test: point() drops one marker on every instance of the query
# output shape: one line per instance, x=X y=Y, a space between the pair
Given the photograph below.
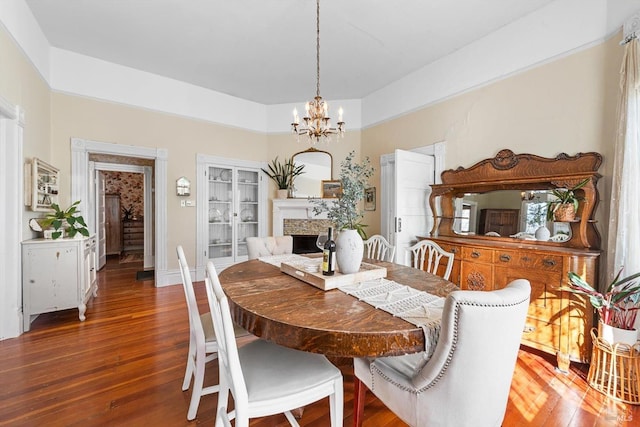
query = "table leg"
x=359 y=392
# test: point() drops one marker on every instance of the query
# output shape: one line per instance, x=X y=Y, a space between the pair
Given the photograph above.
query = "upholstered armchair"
x=265 y=246
x=467 y=380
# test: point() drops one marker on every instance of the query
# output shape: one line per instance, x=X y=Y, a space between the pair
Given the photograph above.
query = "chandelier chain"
x=317 y=47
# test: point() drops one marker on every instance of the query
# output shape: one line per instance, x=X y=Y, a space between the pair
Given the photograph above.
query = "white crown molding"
x=558 y=29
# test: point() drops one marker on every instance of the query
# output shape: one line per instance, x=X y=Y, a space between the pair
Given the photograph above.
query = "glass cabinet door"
x=220 y=204
x=247 y=219
x=232 y=205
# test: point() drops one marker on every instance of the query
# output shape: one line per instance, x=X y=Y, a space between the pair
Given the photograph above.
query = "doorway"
x=406 y=178
x=81 y=189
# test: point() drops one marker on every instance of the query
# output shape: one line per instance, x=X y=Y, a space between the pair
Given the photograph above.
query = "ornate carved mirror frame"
x=523 y=172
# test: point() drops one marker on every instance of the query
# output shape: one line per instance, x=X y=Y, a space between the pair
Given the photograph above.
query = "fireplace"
x=305 y=244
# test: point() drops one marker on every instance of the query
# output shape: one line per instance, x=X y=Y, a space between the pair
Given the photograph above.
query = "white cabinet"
x=41 y=185
x=231 y=207
x=57 y=275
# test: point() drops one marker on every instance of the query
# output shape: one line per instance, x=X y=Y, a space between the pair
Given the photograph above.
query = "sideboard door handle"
x=475 y=254
x=549 y=262
x=505 y=258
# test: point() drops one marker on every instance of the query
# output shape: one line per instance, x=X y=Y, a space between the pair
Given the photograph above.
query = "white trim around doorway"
x=80 y=149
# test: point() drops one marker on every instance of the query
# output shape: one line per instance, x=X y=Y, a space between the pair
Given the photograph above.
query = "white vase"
x=282 y=193
x=349 y=251
x=614 y=335
x=543 y=234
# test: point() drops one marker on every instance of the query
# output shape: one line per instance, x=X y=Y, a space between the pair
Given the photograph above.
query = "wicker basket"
x=615 y=370
x=565 y=212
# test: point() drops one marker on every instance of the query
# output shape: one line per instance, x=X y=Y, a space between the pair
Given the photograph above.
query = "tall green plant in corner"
x=347 y=212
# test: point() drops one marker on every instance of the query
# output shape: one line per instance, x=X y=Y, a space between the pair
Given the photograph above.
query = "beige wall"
x=22 y=85
x=76 y=117
x=568 y=105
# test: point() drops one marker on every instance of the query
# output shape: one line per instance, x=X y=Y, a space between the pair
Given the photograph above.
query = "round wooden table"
x=282 y=309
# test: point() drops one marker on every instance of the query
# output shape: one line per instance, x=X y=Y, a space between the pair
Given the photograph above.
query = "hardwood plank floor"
x=124 y=366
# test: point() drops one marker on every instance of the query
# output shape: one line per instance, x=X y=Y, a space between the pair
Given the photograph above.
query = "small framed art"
x=331 y=189
x=370 y=199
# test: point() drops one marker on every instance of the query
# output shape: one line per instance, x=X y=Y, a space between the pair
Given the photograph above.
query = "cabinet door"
x=476 y=276
x=248 y=220
x=221 y=213
x=51 y=276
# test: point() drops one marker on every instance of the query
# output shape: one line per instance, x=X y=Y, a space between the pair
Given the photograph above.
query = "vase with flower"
x=346 y=212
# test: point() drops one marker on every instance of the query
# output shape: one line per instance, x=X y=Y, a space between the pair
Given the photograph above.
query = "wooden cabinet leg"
x=563 y=362
x=359 y=393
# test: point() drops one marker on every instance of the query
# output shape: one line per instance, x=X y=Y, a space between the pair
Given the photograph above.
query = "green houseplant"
x=565 y=206
x=283 y=174
x=67 y=220
x=346 y=212
x=618 y=305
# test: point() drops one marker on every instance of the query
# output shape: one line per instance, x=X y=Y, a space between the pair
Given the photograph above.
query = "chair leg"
x=188 y=373
x=196 y=393
x=359 y=392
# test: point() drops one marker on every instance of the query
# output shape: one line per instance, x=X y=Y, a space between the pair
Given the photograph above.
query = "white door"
x=101 y=234
x=414 y=174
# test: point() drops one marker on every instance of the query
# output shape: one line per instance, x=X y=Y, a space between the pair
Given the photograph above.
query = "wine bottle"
x=329 y=256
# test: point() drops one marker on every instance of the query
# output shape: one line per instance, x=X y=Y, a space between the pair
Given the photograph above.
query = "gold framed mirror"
x=318 y=166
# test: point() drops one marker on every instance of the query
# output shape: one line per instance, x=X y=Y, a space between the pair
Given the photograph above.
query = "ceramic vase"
x=282 y=193
x=349 y=251
x=614 y=335
x=543 y=234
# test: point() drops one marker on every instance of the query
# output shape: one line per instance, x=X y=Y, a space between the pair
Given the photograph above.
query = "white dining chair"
x=202 y=341
x=377 y=247
x=426 y=255
x=265 y=378
x=466 y=381
x=264 y=246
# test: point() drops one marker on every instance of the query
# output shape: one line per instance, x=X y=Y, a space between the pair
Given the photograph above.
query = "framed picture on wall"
x=331 y=189
x=370 y=199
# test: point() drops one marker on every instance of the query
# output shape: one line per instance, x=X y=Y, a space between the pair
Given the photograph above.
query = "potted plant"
x=127 y=213
x=565 y=207
x=346 y=212
x=617 y=306
x=65 y=221
x=283 y=174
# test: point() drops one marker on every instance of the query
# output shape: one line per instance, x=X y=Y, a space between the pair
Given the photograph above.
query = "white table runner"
x=418 y=307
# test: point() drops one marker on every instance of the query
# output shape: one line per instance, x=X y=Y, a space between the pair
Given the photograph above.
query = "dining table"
x=278 y=307
x=281 y=308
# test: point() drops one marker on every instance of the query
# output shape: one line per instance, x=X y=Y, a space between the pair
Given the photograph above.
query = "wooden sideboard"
x=558 y=322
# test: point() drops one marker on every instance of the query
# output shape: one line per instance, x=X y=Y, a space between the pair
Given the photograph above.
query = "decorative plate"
x=225 y=175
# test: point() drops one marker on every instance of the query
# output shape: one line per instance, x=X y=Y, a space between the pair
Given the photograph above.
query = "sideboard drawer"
x=477 y=254
x=546 y=262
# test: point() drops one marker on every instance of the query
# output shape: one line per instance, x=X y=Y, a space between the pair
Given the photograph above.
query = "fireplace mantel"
x=292 y=209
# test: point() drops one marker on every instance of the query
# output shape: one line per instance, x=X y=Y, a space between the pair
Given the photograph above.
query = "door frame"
x=81 y=190
x=12 y=122
x=148 y=226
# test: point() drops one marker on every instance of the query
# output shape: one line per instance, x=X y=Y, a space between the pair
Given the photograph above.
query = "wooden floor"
x=124 y=366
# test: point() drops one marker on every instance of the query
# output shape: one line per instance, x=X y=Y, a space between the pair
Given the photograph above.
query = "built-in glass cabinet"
x=232 y=206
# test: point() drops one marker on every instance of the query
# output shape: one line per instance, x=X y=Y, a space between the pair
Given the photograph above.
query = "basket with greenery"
x=565 y=206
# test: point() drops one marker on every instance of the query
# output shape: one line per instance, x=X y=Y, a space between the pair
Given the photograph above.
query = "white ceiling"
x=264 y=50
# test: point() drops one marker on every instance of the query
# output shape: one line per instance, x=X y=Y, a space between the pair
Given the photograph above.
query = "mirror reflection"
x=508 y=213
x=317 y=167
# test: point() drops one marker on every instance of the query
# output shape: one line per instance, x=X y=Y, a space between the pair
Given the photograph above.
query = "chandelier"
x=317 y=123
